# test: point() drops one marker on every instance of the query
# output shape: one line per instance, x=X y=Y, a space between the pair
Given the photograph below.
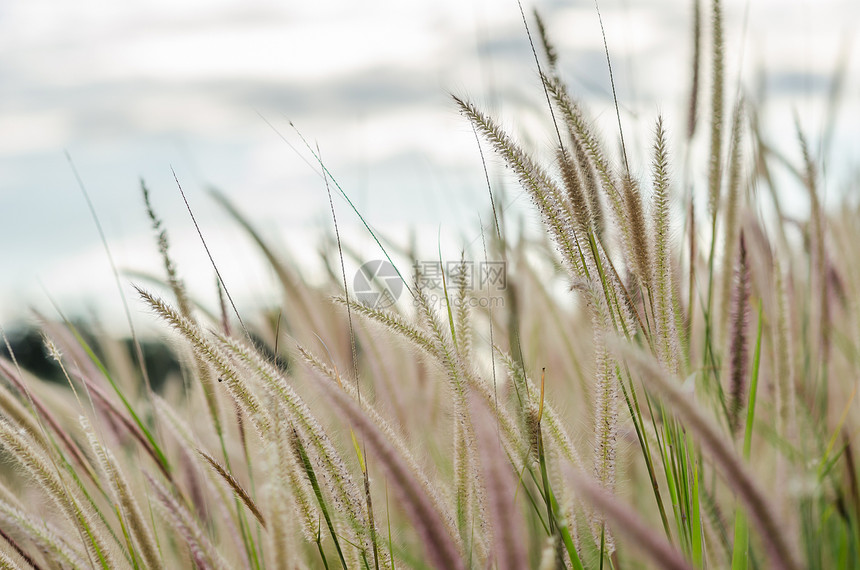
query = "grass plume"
x=597 y=426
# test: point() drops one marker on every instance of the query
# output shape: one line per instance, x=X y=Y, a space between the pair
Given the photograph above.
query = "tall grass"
x=650 y=424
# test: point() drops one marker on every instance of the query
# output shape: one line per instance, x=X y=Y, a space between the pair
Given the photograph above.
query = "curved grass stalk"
x=45 y=536
x=81 y=514
x=124 y=501
x=237 y=488
x=202 y=551
x=543 y=191
x=469 y=489
x=241 y=393
x=396 y=440
x=441 y=551
x=651 y=543
x=724 y=457
x=333 y=469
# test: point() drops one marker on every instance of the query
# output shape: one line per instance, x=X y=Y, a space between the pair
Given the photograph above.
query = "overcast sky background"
x=131 y=90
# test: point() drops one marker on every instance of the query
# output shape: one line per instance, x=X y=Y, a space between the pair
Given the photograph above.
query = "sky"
x=124 y=92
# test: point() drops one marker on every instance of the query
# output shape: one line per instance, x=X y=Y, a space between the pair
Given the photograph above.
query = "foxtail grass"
x=627 y=406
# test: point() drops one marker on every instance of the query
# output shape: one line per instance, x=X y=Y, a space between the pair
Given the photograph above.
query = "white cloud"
x=147 y=85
